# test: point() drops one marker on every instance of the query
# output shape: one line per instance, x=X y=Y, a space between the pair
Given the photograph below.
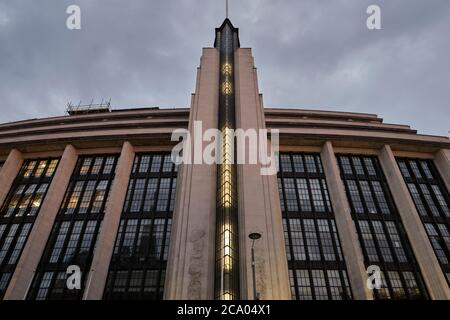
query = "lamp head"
x=254 y=236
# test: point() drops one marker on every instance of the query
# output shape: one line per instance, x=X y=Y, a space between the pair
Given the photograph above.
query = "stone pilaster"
x=354 y=258
x=442 y=161
x=428 y=263
x=190 y=268
x=98 y=274
x=9 y=171
x=258 y=197
x=34 y=248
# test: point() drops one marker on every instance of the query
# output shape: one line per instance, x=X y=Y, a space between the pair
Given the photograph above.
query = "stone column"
x=258 y=197
x=442 y=161
x=34 y=248
x=8 y=173
x=423 y=251
x=353 y=255
x=98 y=275
x=190 y=266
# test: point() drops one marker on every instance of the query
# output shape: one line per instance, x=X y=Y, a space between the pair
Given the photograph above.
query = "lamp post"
x=254 y=236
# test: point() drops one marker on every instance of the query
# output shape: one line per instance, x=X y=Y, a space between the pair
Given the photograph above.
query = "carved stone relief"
x=197 y=240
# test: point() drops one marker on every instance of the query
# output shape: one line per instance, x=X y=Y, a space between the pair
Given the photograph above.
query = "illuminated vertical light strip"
x=227 y=267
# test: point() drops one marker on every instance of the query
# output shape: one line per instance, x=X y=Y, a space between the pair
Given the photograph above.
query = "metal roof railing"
x=103 y=106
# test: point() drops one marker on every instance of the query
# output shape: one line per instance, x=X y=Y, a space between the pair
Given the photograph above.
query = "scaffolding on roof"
x=103 y=106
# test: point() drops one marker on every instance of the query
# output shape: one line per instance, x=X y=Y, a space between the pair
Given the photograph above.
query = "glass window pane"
x=19 y=211
x=380 y=231
x=137 y=269
x=310 y=233
x=75 y=229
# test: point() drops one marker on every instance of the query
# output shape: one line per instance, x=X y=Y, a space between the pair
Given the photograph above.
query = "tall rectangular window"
x=138 y=265
x=75 y=230
x=432 y=201
x=383 y=240
x=19 y=211
x=317 y=269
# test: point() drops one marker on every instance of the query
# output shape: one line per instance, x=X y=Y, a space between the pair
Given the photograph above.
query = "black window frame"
x=431 y=214
x=51 y=276
x=303 y=273
x=22 y=222
x=124 y=265
x=377 y=216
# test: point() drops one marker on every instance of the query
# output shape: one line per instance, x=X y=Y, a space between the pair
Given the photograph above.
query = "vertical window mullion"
x=288 y=226
x=145 y=270
x=377 y=225
x=17 y=227
x=436 y=214
x=79 y=227
x=312 y=262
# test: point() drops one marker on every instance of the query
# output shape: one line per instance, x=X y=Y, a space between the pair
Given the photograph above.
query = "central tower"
x=226 y=277
x=219 y=204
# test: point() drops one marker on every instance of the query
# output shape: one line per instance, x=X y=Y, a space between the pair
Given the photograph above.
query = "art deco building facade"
x=98 y=190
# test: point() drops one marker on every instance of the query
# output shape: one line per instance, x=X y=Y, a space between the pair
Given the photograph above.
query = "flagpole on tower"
x=226 y=8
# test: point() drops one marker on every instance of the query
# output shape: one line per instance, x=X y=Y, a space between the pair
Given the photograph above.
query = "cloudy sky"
x=310 y=54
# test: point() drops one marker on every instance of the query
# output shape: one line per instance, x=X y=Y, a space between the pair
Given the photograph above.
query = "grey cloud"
x=310 y=54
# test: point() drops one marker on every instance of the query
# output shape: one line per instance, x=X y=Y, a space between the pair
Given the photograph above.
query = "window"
x=316 y=266
x=138 y=265
x=432 y=202
x=383 y=241
x=75 y=230
x=19 y=211
x=318 y=284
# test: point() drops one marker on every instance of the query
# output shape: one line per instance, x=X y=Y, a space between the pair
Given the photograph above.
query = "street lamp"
x=254 y=236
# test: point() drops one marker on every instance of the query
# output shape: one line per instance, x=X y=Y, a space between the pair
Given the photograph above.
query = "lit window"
x=226 y=88
x=19 y=212
x=75 y=228
x=226 y=69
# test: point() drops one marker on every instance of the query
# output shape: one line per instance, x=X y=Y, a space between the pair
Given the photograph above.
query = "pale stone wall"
x=351 y=249
x=259 y=203
x=442 y=161
x=9 y=171
x=106 y=239
x=190 y=269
